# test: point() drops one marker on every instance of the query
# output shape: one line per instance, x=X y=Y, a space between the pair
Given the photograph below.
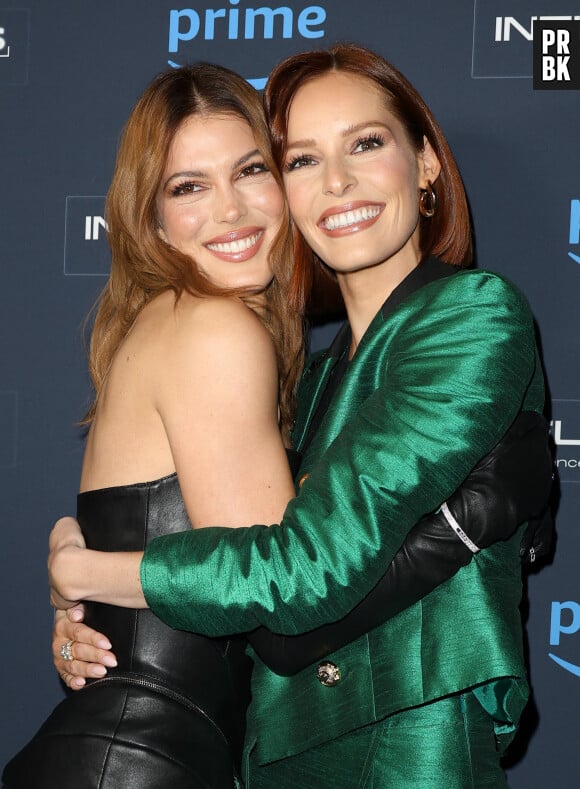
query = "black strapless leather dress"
x=172 y=714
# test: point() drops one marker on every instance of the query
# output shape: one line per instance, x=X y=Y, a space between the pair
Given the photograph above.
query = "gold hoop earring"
x=428 y=201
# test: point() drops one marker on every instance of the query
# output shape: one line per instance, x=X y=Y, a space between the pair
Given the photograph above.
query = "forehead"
x=204 y=134
x=339 y=92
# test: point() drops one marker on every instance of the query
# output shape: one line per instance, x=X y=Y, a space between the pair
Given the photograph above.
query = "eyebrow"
x=201 y=174
x=346 y=133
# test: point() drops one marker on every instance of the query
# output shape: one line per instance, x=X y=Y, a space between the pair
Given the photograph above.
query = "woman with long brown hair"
x=195 y=355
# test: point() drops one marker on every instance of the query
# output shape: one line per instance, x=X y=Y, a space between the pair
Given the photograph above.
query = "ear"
x=429 y=164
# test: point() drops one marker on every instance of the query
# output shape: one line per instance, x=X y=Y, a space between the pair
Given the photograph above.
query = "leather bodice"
x=214 y=673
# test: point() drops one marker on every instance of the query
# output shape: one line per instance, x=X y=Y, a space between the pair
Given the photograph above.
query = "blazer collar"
x=428 y=271
x=317 y=375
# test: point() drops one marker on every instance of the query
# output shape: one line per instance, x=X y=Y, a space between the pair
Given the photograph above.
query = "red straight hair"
x=448 y=233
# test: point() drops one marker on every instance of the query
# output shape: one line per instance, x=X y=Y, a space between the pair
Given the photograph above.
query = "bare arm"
x=216 y=395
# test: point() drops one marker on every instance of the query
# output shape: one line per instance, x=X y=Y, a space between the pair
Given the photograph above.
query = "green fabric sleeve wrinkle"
x=438 y=382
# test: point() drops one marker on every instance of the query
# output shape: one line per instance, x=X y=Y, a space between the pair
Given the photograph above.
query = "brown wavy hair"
x=143 y=265
x=448 y=233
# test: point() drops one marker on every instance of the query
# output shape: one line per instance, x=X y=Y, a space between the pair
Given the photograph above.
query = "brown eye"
x=185 y=188
x=368 y=143
x=297 y=162
x=255 y=168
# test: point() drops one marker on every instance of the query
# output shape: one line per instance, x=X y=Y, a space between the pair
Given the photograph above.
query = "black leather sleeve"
x=509 y=486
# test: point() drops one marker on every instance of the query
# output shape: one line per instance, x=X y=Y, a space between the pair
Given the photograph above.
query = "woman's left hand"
x=90 y=652
x=65 y=538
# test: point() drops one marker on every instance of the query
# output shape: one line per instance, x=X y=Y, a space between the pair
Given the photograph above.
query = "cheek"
x=180 y=221
x=395 y=176
x=396 y=171
x=298 y=202
x=271 y=201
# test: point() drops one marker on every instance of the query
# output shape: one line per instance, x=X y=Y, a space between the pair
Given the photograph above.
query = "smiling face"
x=352 y=176
x=218 y=202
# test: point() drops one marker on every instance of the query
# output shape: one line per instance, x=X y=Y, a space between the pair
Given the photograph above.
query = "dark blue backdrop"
x=69 y=74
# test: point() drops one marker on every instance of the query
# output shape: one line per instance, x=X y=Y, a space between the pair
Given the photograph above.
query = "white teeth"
x=232 y=247
x=351 y=217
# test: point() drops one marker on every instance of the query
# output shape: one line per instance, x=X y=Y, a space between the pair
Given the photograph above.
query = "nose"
x=229 y=205
x=338 y=180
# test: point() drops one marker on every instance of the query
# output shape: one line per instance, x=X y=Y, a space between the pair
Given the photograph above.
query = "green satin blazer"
x=438 y=377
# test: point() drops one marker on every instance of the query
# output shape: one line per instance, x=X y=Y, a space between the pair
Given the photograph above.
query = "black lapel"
x=428 y=271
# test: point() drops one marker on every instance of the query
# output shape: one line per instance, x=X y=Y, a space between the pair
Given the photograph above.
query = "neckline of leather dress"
x=131 y=485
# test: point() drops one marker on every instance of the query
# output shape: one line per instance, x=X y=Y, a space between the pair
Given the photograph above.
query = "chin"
x=252 y=285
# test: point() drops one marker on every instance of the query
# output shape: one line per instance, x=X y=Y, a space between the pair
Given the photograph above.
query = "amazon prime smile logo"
x=237 y=22
x=564 y=620
x=575 y=229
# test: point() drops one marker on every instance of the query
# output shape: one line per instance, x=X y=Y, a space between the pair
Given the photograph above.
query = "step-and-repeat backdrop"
x=69 y=74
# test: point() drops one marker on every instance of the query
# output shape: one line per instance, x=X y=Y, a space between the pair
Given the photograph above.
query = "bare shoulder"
x=216 y=345
x=220 y=323
x=216 y=392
